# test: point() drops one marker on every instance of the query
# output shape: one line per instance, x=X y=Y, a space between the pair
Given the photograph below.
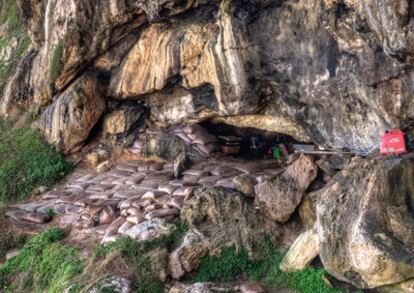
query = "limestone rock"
x=113 y=284
x=193 y=288
x=302 y=252
x=187 y=257
x=148 y=230
x=364 y=223
x=252 y=288
x=181 y=163
x=68 y=121
x=167 y=146
x=279 y=197
x=245 y=184
x=307 y=209
x=120 y=126
x=228 y=218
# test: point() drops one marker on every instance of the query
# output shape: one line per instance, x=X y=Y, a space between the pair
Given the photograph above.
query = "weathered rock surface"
x=339 y=78
x=225 y=217
x=280 y=196
x=365 y=223
x=68 y=121
x=302 y=252
x=187 y=257
x=121 y=126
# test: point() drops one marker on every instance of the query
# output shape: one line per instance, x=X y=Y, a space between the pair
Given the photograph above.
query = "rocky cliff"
x=145 y=74
x=334 y=72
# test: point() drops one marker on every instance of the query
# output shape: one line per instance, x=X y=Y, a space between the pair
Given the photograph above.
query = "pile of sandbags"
x=199 y=138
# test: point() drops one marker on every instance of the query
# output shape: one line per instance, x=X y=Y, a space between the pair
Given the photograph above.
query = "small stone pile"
x=137 y=198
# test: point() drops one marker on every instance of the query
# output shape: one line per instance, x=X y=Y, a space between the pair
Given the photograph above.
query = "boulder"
x=307 y=209
x=68 y=121
x=121 y=125
x=191 y=288
x=252 y=288
x=228 y=218
x=187 y=257
x=167 y=146
x=112 y=284
x=181 y=163
x=302 y=252
x=245 y=184
x=149 y=230
x=365 y=222
x=280 y=196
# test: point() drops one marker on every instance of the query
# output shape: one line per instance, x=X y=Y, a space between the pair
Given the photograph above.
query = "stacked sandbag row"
x=199 y=138
x=136 y=195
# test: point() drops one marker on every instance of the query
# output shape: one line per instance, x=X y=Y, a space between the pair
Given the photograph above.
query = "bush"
x=26 y=162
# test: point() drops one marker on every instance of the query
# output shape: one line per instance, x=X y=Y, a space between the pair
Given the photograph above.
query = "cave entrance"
x=249 y=142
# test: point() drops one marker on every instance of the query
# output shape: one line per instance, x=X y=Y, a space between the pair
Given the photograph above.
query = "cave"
x=254 y=143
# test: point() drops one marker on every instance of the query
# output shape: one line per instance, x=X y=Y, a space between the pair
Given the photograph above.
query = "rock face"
x=365 y=223
x=226 y=218
x=334 y=72
x=279 y=197
x=69 y=120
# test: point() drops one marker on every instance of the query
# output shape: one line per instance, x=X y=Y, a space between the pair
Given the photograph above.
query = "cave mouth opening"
x=249 y=142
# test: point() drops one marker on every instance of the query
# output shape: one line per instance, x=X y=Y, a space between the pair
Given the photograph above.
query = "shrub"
x=26 y=162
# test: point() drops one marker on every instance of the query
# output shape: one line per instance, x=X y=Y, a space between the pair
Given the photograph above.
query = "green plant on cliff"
x=56 y=64
x=26 y=163
x=13 y=32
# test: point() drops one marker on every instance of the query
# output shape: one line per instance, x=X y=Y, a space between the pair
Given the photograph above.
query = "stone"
x=12 y=253
x=307 y=209
x=279 y=197
x=302 y=252
x=68 y=121
x=104 y=166
x=96 y=156
x=113 y=284
x=193 y=288
x=181 y=163
x=365 y=224
x=149 y=230
x=228 y=217
x=252 y=288
x=121 y=126
x=37 y=218
x=167 y=146
x=187 y=257
x=245 y=184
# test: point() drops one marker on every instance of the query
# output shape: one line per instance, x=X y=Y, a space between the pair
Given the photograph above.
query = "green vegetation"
x=44 y=264
x=231 y=265
x=136 y=254
x=14 y=31
x=56 y=62
x=26 y=162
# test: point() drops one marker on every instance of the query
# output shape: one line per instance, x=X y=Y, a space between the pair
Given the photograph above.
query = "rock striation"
x=334 y=72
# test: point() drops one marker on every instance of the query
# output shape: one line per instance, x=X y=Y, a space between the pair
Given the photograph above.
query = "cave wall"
x=337 y=72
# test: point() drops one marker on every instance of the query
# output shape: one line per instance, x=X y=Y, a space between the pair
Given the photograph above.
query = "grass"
x=136 y=254
x=14 y=29
x=56 y=63
x=231 y=265
x=26 y=163
x=44 y=264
